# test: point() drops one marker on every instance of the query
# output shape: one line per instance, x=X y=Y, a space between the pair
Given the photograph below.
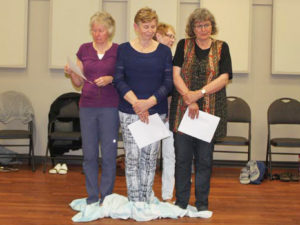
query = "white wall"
x=259 y=88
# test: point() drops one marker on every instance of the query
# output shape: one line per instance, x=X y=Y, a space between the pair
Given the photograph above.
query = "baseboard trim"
x=77 y=160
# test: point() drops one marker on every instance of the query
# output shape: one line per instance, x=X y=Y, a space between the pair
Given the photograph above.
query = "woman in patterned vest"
x=201 y=70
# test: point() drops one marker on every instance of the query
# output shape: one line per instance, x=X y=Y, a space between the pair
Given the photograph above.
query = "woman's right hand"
x=67 y=69
x=76 y=79
x=193 y=111
x=144 y=117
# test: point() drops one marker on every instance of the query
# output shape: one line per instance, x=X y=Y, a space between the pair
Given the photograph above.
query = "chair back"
x=70 y=110
x=64 y=124
x=66 y=106
x=15 y=106
x=238 y=110
x=284 y=111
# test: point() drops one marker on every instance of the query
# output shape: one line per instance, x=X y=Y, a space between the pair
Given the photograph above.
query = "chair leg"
x=267 y=157
x=270 y=163
x=249 y=152
x=32 y=155
x=29 y=154
x=46 y=158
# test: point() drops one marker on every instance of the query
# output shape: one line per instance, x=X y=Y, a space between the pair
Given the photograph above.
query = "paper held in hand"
x=76 y=69
x=202 y=127
x=145 y=134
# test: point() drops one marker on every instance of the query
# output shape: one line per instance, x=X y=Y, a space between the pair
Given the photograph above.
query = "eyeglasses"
x=200 y=26
x=171 y=36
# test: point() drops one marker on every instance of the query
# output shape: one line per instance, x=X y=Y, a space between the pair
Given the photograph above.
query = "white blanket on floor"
x=118 y=207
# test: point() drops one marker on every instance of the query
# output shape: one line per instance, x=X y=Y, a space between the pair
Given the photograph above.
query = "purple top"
x=93 y=68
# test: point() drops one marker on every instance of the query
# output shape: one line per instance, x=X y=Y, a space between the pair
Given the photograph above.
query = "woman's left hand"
x=190 y=97
x=103 y=81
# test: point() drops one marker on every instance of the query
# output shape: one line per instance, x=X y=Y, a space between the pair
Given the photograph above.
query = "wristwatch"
x=203 y=91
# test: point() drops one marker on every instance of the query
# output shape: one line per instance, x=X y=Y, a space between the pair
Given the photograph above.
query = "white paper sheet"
x=76 y=69
x=145 y=134
x=202 y=127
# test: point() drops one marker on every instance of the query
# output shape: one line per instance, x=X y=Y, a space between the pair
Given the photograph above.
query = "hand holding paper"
x=202 y=127
x=145 y=134
x=77 y=70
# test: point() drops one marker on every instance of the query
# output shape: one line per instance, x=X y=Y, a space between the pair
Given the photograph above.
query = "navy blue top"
x=145 y=74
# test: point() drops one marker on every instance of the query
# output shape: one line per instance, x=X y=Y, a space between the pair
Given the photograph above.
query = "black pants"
x=187 y=148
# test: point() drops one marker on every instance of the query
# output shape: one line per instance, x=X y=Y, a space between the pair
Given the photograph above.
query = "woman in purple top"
x=143 y=79
x=98 y=104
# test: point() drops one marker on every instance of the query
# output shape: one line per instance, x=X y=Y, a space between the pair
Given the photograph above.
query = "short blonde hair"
x=200 y=15
x=162 y=28
x=105 y=19
x=145 y=15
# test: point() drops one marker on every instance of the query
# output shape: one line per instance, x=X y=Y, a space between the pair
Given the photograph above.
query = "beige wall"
x=259 y=88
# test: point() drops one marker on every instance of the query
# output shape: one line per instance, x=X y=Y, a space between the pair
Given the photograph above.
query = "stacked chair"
x=17 y=125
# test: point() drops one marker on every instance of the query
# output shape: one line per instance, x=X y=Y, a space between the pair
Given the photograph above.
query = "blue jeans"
x=99 y=125
x=187 y=148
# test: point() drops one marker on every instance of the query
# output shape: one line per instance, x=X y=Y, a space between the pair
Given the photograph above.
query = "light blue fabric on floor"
x=89 y=213
x=193 y=212
x=118 y=207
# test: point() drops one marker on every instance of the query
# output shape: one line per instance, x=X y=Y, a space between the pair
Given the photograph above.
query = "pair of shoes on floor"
x=286 y=177
x=7 y=169
x=252 y=173
x=59 y=169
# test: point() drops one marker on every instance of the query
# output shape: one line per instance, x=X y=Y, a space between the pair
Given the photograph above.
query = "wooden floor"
x=29 y=198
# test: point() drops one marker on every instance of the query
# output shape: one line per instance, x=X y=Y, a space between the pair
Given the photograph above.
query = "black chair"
x=282 y=113
x=63 y=128
x=16 y=118
x=238 y=111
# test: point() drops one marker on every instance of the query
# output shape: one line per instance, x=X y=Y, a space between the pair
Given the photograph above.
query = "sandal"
x=8 y=169
x=285 y=177
x=63 y=169
x=295 y=177
x=4 y=169
x=55 y=169
x=245 y=176
x=275 y=176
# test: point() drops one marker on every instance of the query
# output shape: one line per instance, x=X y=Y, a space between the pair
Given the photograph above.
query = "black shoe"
x=202 y=208
x=180 y=206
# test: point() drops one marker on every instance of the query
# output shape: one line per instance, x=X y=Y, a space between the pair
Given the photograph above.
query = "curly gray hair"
x=200 y=15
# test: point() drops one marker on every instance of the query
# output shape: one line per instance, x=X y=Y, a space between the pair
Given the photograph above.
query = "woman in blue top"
x=143 y=79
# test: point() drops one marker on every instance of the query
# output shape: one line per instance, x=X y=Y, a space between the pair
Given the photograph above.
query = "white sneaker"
x=63 y=169
x=245 y=176
x=55 y=169
x=254 y=171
